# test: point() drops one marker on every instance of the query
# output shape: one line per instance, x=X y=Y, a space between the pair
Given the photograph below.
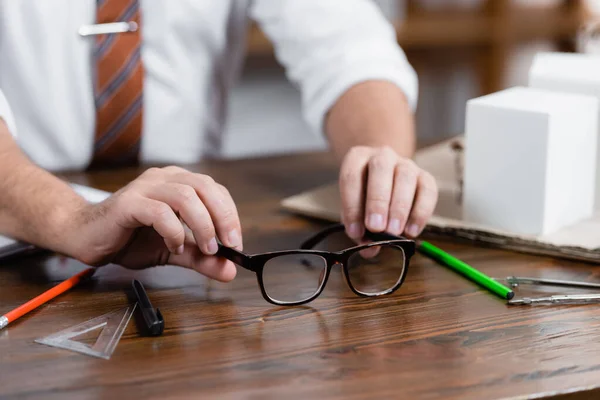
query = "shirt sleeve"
x=6 y=115
x=328 y=46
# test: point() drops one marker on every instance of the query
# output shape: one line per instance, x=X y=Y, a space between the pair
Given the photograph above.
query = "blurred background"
x=460 y=49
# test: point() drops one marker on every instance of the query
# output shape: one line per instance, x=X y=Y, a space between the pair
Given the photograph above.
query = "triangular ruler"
x=112 y=326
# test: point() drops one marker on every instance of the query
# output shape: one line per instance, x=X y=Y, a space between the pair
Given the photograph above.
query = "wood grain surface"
x=438 y=337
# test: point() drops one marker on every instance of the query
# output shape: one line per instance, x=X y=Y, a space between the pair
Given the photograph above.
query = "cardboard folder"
x=580 y=241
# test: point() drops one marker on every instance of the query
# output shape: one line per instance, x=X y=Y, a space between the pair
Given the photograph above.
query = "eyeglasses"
x=294 y=277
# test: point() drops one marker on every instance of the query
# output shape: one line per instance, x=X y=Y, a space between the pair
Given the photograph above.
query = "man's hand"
x=384 y=192
x=371 y=131
x=142 y=225
x=165 y=216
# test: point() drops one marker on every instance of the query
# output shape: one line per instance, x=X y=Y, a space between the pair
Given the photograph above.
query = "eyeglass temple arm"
x=314 y=240
x=235 y=256
x=317 y=238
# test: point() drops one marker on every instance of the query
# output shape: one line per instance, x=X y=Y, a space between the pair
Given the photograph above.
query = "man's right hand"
x=142 y=225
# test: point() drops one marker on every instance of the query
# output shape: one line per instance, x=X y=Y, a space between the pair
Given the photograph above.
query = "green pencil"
x=463 y=268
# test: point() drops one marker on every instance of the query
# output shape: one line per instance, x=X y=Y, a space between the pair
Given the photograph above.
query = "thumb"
x=217 y=268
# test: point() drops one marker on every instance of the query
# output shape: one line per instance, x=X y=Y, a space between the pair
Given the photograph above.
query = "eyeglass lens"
x=293 y=278
x=377 y=269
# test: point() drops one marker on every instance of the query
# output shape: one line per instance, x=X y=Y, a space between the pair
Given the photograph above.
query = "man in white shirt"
x=94 y=83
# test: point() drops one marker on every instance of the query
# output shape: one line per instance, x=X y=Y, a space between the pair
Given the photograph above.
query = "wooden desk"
x=439 y=336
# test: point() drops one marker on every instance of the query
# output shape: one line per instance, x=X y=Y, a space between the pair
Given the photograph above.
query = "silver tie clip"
x=103 y=29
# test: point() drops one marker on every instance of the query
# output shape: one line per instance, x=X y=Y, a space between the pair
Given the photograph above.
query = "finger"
x=236 y=217
x=424 y=204
x=220 y=206
x=369 y=252
x=161 y=217
x=217 y=268
x=403 y=194
x=380 y=179
x=352 y=189
x=185 y=200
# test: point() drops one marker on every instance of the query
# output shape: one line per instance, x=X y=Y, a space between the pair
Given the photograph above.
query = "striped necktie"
x=117 y=87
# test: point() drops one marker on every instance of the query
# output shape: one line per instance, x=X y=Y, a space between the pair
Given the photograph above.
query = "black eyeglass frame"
x=256 y=262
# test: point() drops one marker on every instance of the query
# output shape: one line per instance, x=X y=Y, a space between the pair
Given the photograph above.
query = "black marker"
x=153 y=319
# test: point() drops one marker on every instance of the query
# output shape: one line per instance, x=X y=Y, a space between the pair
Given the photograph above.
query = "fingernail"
x=179 y=250
x=376 y=222
x=212 y=247
x=394 y=226
x=234 y=238
x=413 y=230
x=369 y=252
x=354 y=230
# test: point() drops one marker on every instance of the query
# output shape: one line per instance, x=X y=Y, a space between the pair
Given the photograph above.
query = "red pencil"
x=44 y=297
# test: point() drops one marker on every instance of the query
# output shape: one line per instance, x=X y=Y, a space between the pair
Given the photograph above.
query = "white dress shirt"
x=192 y=51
